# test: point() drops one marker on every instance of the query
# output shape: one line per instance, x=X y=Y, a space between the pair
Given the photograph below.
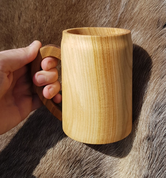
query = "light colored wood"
x=53 y=51
x=96 y=84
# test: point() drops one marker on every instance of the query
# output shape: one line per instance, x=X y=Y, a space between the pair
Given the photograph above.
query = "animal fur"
x=38 y=147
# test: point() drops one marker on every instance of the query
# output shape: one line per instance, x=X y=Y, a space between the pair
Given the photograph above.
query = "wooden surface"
x=49 y=50
x=97 y=84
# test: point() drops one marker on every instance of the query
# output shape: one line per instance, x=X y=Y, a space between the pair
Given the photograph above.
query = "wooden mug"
x=96 y=83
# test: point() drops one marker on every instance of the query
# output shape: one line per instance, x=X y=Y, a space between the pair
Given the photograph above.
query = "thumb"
x=11 y=60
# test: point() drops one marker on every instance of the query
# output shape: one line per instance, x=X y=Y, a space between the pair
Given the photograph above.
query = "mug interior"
x=98 y=31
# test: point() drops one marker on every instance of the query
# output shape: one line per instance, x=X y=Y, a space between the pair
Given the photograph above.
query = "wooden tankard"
x=96 y=83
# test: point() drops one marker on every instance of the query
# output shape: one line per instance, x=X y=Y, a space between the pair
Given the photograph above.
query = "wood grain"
x=52 y=51
x=97 y=84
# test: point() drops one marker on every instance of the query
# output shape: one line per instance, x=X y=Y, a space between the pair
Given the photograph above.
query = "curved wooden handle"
x=52 y=51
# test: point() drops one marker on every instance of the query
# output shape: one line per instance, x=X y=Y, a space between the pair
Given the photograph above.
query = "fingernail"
x=41 y=79
x=49 y=65
x=51 y=91
x=32 y=43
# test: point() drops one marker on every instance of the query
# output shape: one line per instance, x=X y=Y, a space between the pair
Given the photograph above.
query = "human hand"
x=17 y=99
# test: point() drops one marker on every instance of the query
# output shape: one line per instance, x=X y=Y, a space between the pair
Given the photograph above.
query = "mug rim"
x=75 y=31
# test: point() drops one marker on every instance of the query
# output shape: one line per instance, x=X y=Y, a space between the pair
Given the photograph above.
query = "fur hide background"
x=37 y=147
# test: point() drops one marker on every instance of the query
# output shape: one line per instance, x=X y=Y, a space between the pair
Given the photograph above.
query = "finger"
x=49 y=63
x=57 y=98
x=51 y=90
x=11 y=60
x=42 y=78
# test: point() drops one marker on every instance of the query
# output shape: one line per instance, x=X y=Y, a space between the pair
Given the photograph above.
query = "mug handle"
x=46 y=51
